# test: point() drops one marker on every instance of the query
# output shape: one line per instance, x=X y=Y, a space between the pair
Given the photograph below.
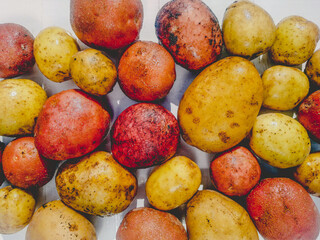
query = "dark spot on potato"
x=223 y=137
x=234 y=124
x=72 y=178
x=229 y=114
x=172 y=39
x=188 y=110
x=196 y=120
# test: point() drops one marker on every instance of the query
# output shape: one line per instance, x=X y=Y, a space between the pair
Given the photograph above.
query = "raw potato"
x=280 y=140
x=284 y=87
x=211 y=215
x=220 y=106
x=96 y=184
x=21 y=102
x=173 y=183
x=16 y=209
x=53 y=50
x=54 y=220
x=312 y=69
x=248 y=30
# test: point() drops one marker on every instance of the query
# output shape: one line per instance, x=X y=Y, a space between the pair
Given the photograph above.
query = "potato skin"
x=282 y=209
x=150 y=224
x=312 y=69
x=211 y=116
x=211 y=215
x=54 y=220
x=173 y=183
x=190 y=31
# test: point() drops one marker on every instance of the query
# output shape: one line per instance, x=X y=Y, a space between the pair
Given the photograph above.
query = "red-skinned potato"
x=71 y=124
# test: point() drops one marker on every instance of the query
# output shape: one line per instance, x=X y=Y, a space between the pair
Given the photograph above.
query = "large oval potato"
x=220 y=106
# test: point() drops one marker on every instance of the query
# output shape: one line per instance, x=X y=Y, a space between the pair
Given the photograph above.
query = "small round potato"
x=312 y=69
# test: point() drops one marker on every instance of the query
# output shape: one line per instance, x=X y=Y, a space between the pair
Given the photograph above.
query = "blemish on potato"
x=223 y=136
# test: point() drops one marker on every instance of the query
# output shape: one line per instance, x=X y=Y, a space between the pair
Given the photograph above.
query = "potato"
x=16 y=209
x=93 y=72
x=220 y=106
x=2 y=178
x=211 y=215
x=96 y=184
x=284 y=87
x=146 y=71
x=21 y=102
x=190 y=31
x=71 y=124
x=16 y=47
x=296 y=40
x=150 y=224
x=54 y=220
x=173 y=183
x=53 y=50
x=248 y=30
x=282 y=209
x=110 y=24
x=144 y=135
x=312 y=69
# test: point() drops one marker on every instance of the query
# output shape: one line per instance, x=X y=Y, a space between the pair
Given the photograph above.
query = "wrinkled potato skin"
x=280 y=140
x=16 y=209
x=54 y=220
x=284 y=87
x=173 y=183
x=312 y=69
x=53 y=50
x=21 y=102
x=296 y=40
x=248 y=30
x=211 y=215
x=221 y=104
x=96 y=185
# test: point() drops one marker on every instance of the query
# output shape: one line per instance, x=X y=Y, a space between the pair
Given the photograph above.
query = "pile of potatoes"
x=258 y=127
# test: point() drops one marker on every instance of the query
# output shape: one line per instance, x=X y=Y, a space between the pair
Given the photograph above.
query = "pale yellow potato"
x=211 y=215
x=93 y=72
x=21 y=102
x=173 y=183
x=296 y=40
x=16 y=209
x=280 y=140
x=248 y=30
x=220 y=106
x=53 y=49
x=312 y=69
x=54 y=220
x=284 y=87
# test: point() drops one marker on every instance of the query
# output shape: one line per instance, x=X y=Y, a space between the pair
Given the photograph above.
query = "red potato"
x=235 y=172
x=283 y=209
x=143 y=135
x=71 y=124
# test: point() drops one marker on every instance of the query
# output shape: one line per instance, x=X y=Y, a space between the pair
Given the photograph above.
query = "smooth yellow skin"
x=280 y=140
x=248 y=30
x=54 y=220
x=284 y=87
x=173 y=183
x=220 y=106
x=312 y=69
x=93 y=72
x=97 y=185
x=296 y=40
x=211 y=215
x=53 y=49
x=16 y=209
x=21 y=102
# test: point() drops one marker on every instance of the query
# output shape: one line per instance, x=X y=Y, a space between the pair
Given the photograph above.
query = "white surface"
x=38 y=14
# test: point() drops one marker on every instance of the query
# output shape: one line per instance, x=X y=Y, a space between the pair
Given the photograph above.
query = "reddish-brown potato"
x=191 y=33
x=235 y=172
x=283 y=209
x=109 y=24
x=16 y=47
x=143 y=135
x=150 y=224
x=71 y=124
x=146 y=71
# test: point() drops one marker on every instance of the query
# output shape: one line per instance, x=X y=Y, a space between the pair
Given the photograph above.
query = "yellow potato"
x=53 y=49
x=93 y=72
x=220 y=106
x=173 y=183
x=21 y=102
x=312 y=69
x=284 y=87
x=280 y=140
x=211 y=215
